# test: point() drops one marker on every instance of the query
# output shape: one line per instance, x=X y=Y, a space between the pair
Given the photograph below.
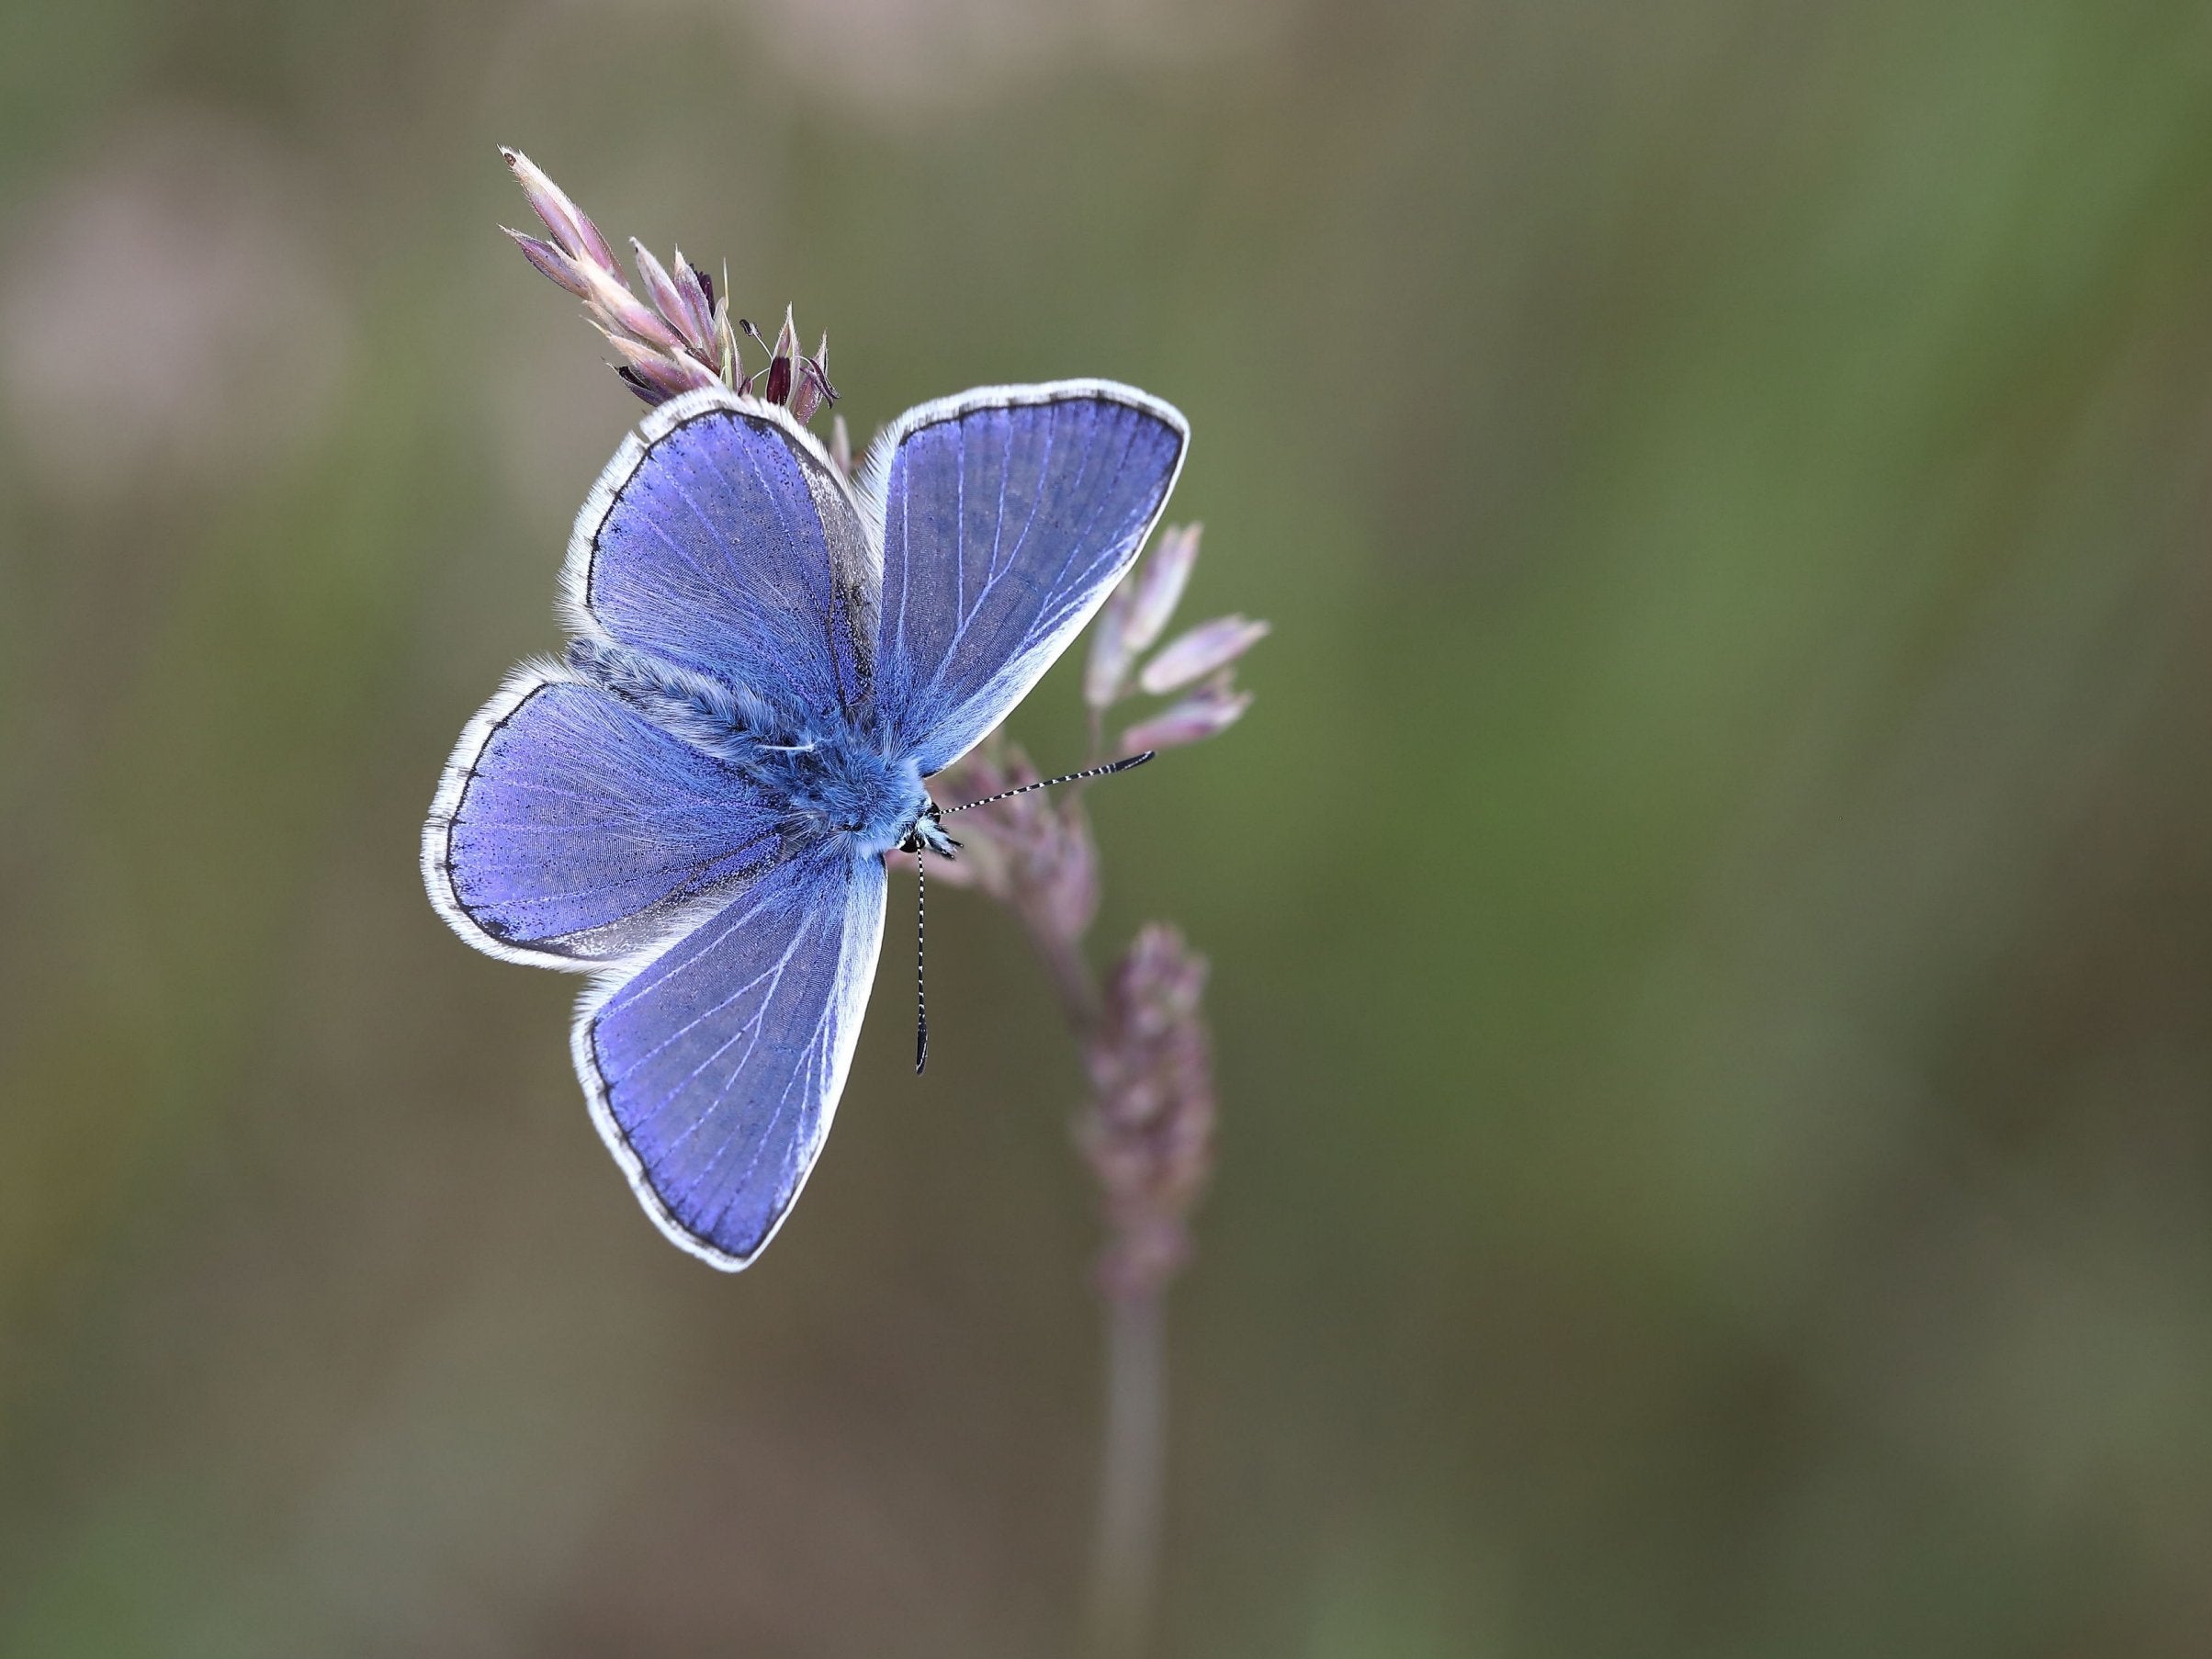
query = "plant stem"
x=1134 y=1447
x=1131 y=1477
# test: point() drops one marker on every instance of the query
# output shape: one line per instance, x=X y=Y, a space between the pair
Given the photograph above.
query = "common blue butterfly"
x=768 y=663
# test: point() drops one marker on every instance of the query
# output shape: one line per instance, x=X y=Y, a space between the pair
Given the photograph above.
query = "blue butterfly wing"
x=571 y=831
x=721 y=538
x=1007 y=517
x=712 y=1073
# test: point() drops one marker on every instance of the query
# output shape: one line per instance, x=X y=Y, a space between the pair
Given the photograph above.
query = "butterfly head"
x=928 y=833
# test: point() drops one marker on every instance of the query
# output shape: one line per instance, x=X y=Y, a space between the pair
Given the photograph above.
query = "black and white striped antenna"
x=921 y=995
x=1074 y=777
x=921 y=889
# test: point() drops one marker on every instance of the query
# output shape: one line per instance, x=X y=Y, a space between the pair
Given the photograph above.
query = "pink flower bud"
x=669 y=299
x=1205 y=648
x=551 y=261
x=1205 y=713
x=696 y=295
x=669 y=374
x=571 y=227
x=1109 y=650
x=811 y=390
x=624 y=312
x=1159 y=584
x=1133 y=617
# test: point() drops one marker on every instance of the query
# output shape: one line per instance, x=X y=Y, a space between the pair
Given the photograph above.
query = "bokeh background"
x=1711 y=909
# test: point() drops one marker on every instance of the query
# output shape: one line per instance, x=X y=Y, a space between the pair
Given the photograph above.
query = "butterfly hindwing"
x=1008 y=515
x=570 y=830
x=714 y=1071
x=721 y=540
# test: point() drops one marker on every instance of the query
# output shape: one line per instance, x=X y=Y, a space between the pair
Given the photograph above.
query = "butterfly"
x=768 y=663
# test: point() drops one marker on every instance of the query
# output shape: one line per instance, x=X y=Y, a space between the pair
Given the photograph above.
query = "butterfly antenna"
x=1074 y=777
x=921 y=995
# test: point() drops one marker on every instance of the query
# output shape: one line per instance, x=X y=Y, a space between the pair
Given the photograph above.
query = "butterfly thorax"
x=828 y=779
x=837 y=785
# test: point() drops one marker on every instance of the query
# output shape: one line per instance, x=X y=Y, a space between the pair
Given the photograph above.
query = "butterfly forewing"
x=722 y=540
x=1008 y=517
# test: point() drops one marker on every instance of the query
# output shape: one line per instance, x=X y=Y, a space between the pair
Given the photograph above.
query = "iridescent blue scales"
x=768 y=662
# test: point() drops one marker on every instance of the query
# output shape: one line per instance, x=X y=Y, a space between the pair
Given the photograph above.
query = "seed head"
x=1148 y=1131
x=677 y=337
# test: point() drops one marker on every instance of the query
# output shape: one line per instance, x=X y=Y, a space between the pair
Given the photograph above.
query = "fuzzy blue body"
x=821 y=778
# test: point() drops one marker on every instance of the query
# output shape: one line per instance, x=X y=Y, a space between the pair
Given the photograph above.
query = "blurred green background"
x=1712 y=910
